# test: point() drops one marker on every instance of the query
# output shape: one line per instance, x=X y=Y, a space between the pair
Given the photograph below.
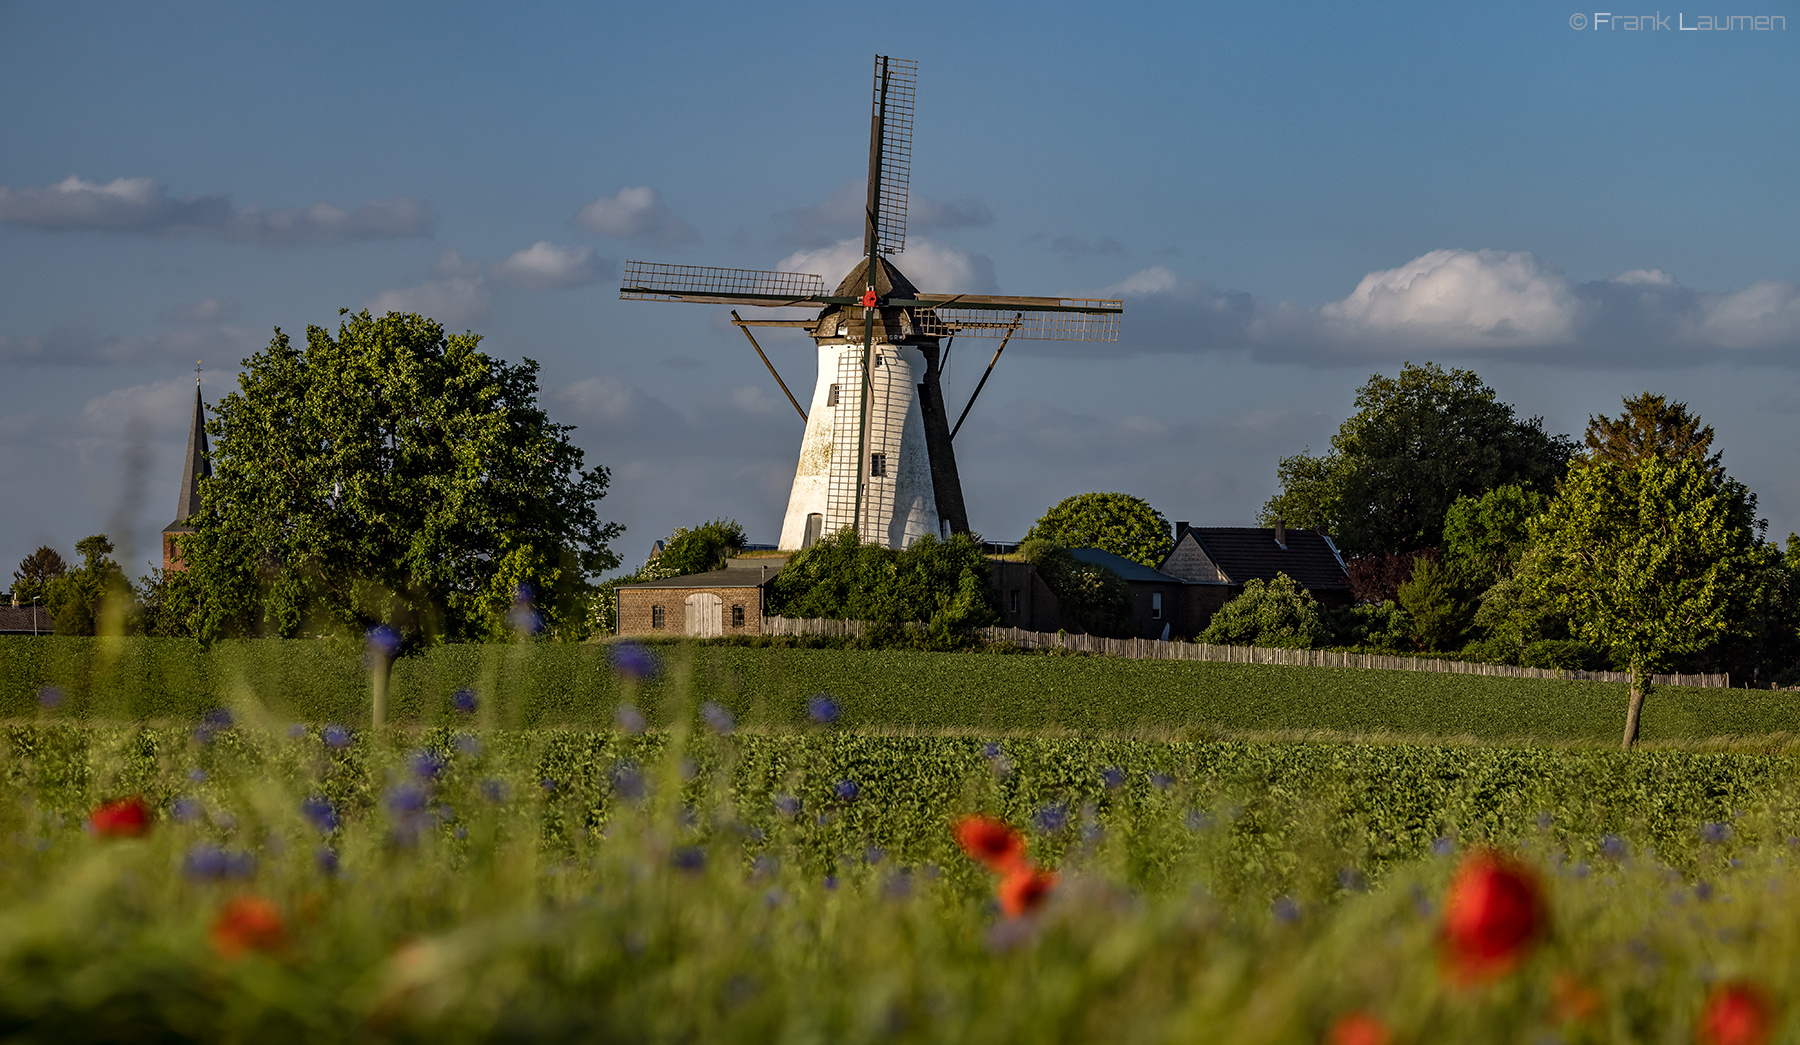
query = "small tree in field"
x=1653 y=562
x=1114 y=522
x=1279 y=613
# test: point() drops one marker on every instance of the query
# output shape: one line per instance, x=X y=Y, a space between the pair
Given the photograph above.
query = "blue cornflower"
x=1162 y=781
x=688 y=858
x=628 y=780
x=319 y=812
x=1287 y=910
x=49 y=697
x=845 y=790
x=1545 y=820
x=628 y=719
x=1198 y=821
x=765 y=866
x=383 y=641
x=210 y=863
x=1113 y=777
x=831 y=883
x=874 y=854
x=186 y=809
x=1714 y=833
x=1052 y=818
x=633 y=661
x=197 y=775
x=337 y=738
x=492 y=791
x=787 y=805
x=823 y=709
x=426 y=764
x=407 y=800
x=1613 y=847
x=468 y=743
x=327 y=860
x=990 y=750
x=548 y=785
x=717 y=718
x=1442 y=847
x=217 y=718
x=464 y=701
x=1352 y=880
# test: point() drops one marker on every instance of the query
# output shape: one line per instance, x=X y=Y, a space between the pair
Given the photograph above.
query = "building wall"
x=1190 y=562
x=1025 y=600
x=635 y=609
x=172 y=560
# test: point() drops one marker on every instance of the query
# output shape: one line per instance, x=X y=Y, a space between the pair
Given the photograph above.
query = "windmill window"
x=831 y=396
x=737 y=616
x=877 y=465
x=656 y=616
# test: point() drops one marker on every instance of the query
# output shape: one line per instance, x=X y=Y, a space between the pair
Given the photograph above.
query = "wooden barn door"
x=704 y=618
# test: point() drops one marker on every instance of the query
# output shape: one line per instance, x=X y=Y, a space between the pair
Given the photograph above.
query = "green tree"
x=1114 y=522
x=698 y=550
x=167 y=602
x=945 y=584
x=1416 y=443
x=32 y=579
x=1484 y=536
x=1650 y=426
x=92 y=598
x=1433 y=600
x=1652 y=562
x=396 y=475
x=1093 y=597
x=1279 y=613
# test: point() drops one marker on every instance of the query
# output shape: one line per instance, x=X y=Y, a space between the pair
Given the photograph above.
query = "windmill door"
x=704 y=618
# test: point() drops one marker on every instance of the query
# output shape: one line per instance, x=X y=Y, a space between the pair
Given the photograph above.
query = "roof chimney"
x=1280 y=533
x=1181 y=530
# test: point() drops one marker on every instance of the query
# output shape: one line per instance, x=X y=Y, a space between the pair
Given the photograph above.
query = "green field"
x=556 y=884
x=541 y=685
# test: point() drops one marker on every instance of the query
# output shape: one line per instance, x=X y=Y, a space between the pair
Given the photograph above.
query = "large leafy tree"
x=1114 y=522
x=945 y=584
x=392 y=474
x=94 y=597
x=1650 y=425
x=1416 y=443
x=31 y=580
x=1279 y=613
x=1654 y=562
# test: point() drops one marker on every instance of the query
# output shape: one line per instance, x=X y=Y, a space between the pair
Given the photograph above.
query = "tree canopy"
x=1415 y=444
x=1279 y=613
x=94 y=596
x=1650 y=426
x=392 y=474
x=945 y=584
x=1114 y=522
x=31 y=580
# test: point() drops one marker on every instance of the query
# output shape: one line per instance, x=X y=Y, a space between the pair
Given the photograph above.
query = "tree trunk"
x=1639 y=685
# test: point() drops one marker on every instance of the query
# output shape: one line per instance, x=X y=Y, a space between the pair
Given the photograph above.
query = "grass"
x=538 y=685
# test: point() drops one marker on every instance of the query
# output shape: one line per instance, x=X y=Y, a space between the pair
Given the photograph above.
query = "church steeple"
x=199 y=466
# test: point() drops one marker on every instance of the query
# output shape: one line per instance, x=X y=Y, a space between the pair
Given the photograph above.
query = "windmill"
x=877 y=456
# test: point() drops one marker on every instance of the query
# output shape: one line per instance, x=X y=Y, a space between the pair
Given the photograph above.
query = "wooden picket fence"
x=1156 y=649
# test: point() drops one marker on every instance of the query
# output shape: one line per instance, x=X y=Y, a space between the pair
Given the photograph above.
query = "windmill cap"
x=890 y=282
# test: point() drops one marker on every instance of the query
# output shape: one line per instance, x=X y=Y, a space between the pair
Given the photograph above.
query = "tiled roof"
x=1246 y=552
x=17 y=620
x=1129 y=569
x=744 y=574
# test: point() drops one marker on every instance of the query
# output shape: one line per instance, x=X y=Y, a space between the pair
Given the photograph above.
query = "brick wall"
x=635 y=609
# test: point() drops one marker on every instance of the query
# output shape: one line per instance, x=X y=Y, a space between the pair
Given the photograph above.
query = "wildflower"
x=492 y=790
x=464 y=701
x=628 y=780
x=1352 y=880
x=1612 y=847
x=209 y=863
x=523 y=617
x=717 y=718
x=990 y=842
x=186 y=809
x=688 y=858
x=1162 y=781
x=1493 y=914
x=197 y=775
x=49 y=697
x=217 y=719
x=122 y=818
x=548 y=785
x=248 y=923
x=327 y=861
x=628 y=718
x=337 y=738
x=1575 y=1001
x=1358 y=1028
x=296 y=730
x=787 y=805
x=468 y=744
x=1113 y=777
x=1544 y=820
x=319 y=813
x=990 y=750
x=1025 y=889
x=1714 y=834
x=633 y=661
x=845 y=790
x=426 y=765
x=383 y=642
x=1052 y=818
x=1198 y=821
x=874 y=854
x=831 y=883
x=822 y=708
x=1442 y=846
x=1287 y=910
x=1737 y=1013
x=405 y=801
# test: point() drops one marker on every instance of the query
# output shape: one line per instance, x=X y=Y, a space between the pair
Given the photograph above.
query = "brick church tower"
x=199 y=466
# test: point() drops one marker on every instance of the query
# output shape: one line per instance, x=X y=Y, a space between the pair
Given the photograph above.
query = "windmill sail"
x=654 y=281
x=1057 y=319
x=890 y=152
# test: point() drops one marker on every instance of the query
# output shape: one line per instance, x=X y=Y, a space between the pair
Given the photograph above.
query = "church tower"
x=199 y=466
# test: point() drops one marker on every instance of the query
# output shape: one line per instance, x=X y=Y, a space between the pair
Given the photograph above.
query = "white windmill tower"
x=877 y=455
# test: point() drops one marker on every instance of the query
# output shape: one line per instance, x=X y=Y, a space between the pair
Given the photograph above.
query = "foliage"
x=672 y=887
x=698 y=550
x=1114 y=522
x=1375 y=579
x=31 y=580
x=1280 y=613
x=1372 y=627
x=1091 y=595
x=1650 y=426
x=1432 y=598
x=1416 y=443
x=393 y=475
x=1485 y=536
x=168 y=601
x=944 y=584
x=92 y=598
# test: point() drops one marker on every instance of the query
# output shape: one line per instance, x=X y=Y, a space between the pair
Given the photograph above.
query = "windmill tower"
x=877 y=456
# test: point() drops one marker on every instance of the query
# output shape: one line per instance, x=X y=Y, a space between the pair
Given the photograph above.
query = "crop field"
x=546 y=685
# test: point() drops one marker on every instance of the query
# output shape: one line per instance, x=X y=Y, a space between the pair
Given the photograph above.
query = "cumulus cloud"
x=935 y=268
x=455 y=302
x=77 y=344
x=635 y=213
x=841 y=213
x=141 y=206
x=547 y=266
x=1469 y=303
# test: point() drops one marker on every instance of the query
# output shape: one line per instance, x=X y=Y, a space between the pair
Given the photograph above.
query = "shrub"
x=1279 y=613
x=1114 y=522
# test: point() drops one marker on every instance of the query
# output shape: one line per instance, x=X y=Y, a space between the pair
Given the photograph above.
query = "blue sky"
x=1290 y=199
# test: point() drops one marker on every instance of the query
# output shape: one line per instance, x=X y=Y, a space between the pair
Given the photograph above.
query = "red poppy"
x=991 y=842
x=248 y=923
x=1575 y=1000
x=1737 y=1013
x=1493 y=914
x=1024 y=889
x=124 y=818
x=1358 y=1028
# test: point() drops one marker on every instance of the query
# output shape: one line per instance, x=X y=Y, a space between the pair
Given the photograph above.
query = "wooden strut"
x=1020 y=318
x=739 y=323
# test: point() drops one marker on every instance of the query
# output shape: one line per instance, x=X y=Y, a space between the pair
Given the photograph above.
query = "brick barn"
x=705 y=605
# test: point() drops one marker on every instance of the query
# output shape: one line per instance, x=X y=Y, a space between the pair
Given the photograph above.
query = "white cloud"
x=1464 y=303
x=141 y=206
x=547 y=265
x=455 y=302
x=635 y=213
x=933 y=267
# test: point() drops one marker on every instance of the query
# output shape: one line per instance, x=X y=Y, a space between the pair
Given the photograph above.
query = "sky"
x=1576 y=205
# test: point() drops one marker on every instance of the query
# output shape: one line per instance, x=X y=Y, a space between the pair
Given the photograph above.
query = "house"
x=1215 y=562
x=30 y=619
x=723 y=602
